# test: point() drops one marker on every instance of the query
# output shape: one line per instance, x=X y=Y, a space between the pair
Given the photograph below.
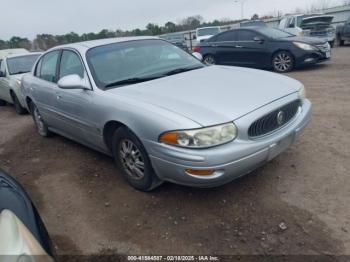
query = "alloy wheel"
x=131 y=159
x=283 y=62
x=209 y=60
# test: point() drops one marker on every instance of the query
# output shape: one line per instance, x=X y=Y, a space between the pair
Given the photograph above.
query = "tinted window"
x=21 y=64
x=227 y=36
x=48 y=66
x=245 y=35
x=273 y=33
x=71 y=64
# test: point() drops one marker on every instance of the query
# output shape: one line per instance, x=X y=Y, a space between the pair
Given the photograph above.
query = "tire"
x=2 y=102
x=331 y=43
x=132 y=160
x=209 y=60
x=41 y=127
x=283 y=62
x=19 y=109
x=339 y=41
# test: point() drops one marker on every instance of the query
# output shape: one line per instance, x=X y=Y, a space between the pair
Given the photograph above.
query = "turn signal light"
x=196 y=49
x=195 y=172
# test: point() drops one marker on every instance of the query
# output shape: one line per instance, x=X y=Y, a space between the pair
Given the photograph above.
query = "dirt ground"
x=296 y=204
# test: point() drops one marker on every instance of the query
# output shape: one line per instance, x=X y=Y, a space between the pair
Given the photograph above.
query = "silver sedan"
x=161 y=113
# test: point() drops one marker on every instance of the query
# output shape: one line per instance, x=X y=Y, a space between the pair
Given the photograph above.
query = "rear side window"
x=71 y=64
x=227 y=36
x=46 y=68
x=246 y=35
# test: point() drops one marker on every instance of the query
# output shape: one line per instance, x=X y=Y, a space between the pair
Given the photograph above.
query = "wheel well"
x=108 y=131
x=12 y=93
x=29 y=103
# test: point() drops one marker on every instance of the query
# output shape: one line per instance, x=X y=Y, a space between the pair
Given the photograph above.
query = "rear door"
x=224 y=46
x=44 y=86
x=249 y=51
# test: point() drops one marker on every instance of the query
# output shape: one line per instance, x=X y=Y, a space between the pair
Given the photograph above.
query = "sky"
x=27 y=18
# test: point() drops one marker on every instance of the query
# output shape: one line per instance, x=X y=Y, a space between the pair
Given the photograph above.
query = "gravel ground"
x=296 y=204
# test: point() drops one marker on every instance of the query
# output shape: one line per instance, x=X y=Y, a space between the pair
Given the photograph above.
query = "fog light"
x=195 y=172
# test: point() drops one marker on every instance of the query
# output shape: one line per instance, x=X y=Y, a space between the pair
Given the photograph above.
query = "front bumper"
x=231 y=160
x=313 y=57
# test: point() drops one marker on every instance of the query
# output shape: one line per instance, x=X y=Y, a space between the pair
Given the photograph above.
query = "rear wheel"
x=41 y=127
x=19 y=109
x=133 y=161
x=209 y=60
x=283 y=62
x=340 y=42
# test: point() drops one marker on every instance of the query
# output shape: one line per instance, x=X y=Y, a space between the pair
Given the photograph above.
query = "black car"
x=263 y=47
x=20 y=223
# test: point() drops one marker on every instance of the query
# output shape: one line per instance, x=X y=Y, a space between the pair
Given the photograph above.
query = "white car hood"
x=212 y=95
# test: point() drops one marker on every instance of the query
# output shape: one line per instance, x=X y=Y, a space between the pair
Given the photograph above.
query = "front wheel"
x=41 y=127
x=209 y=60
x=2 y=102
x=283 y=62
x=133 y=161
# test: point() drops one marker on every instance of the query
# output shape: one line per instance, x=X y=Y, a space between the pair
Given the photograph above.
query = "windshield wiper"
x=181 y=70
x=129 y=81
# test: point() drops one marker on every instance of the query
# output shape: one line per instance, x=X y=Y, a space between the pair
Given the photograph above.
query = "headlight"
x=302 y=93
x=201 y=138
x=18 y=82
x=304 y=46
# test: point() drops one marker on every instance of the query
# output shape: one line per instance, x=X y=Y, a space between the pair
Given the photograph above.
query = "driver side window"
x=71 y=64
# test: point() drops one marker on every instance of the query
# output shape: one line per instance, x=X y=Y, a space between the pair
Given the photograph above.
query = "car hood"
x=316 y=20
x=212 y=95
x=305 y=39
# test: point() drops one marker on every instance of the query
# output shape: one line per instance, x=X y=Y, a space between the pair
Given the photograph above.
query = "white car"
x=12 y=68
x=205 y=33
x=311 y=25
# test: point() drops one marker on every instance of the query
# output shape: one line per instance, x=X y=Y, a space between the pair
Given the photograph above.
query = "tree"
x=255 y=17
x=170 y=27
x=154 y=29
x=18 y=42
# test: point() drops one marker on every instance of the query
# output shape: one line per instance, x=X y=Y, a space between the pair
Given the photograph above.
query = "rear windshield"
x=208 y=31
x=21 y=64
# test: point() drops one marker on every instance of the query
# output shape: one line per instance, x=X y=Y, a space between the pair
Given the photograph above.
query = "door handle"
x=239 y=46
x=58 y=97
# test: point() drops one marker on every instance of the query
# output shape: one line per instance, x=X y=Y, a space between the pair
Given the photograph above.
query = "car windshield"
x=21 y=64
x=273 y=33
x=136 y=61
x=208 y=31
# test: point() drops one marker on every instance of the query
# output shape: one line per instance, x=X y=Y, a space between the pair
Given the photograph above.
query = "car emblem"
x=280 y=118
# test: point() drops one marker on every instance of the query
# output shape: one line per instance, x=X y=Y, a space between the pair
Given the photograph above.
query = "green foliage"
x=47 y=41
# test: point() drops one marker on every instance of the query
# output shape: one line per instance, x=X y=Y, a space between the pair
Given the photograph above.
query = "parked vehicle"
x=252 y=23
x=23 y=235
x=264 y=47
x=312 y=25
x=177 y=39
x=162 y=113
x=205 y=33
x=12 y=69
x=343 y=33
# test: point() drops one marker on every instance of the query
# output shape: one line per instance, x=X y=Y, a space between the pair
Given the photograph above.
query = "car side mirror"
x=73 y=82
x=198 y=56
x=258 y=40
x=2 y=74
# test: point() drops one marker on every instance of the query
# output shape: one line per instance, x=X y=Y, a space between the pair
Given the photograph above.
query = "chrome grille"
x=274 y=120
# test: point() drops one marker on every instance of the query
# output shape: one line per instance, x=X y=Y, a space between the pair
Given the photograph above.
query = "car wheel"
x=133 y=161
x=2 y=102
x=41 y=127
x=283 y=62
x=19 y=109
x=339 y=41
x=331 y=43
x=209 y=60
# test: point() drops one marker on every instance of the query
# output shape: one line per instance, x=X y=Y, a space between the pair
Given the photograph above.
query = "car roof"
x=24 y=54
x=100 y=42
